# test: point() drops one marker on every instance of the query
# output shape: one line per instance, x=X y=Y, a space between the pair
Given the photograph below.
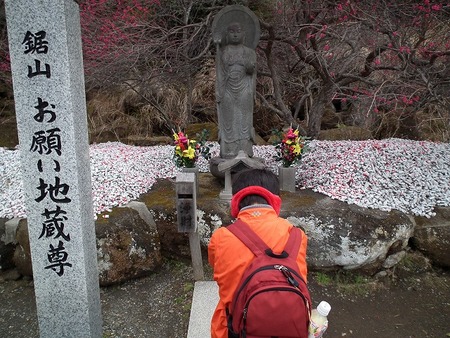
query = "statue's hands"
x=250 y=68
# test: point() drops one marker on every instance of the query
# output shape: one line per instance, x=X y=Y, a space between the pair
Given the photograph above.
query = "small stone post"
x=47 y=68
x=187 y=218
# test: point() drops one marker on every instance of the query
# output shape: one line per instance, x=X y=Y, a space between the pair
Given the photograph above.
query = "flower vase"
x=195 y=171
x=286 y=176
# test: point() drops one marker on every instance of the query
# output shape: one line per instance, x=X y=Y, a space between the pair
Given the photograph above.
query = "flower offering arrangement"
x=187 y=151
x=289 y=147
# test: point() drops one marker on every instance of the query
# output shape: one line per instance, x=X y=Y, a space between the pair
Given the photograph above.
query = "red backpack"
x=272 y=299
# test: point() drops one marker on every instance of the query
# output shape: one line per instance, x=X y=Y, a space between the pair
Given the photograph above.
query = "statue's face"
x=235 y=34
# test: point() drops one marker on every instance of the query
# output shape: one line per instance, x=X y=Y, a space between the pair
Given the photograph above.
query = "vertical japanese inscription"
x=46 y=142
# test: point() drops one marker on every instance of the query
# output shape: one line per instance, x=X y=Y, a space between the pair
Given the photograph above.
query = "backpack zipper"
x=268 y=267
x=291 y=280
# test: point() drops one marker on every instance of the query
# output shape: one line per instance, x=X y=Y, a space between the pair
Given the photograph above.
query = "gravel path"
x=410 y=176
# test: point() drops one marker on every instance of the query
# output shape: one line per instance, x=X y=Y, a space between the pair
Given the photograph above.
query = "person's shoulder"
x=223 y=240
x=221 y=233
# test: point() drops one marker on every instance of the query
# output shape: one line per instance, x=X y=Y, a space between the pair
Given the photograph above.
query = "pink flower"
x=437 y=7
x=291 y=134
x=405 y=49
x=182 y=138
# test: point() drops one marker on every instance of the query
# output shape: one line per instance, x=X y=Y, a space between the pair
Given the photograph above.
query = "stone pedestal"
x=234 y=165
x=226 y=194
x=287 y=178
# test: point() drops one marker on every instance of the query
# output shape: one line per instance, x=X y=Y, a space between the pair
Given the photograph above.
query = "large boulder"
x=342 y=235
x=432 y=236
x=128 y=244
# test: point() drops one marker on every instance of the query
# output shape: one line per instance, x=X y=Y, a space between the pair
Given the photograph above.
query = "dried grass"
x=116 y=116
x=433 y=123
x=162 y=104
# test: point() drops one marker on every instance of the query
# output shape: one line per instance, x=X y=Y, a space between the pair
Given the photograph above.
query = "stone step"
x=204 y=301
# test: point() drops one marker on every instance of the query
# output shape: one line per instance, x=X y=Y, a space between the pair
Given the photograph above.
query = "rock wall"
x=340 y=235
x=132 y=240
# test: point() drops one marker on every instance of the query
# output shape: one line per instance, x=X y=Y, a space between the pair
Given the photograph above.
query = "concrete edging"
x=204 y=301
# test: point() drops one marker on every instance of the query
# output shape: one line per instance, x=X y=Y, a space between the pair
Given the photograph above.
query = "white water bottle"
x=319 y=322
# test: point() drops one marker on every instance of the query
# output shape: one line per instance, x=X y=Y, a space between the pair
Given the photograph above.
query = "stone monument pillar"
x=236 y=34
x=47 y=68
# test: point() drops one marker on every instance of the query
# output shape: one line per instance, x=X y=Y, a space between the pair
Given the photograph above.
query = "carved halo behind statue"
x=245 y=17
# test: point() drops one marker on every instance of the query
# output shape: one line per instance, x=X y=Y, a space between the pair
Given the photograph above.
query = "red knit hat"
x=273 y=200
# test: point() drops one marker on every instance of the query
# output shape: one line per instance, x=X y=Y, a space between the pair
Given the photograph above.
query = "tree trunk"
x=317 y=110
x=282 y=110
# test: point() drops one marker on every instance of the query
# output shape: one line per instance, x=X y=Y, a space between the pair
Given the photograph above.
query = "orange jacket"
x=229 y=257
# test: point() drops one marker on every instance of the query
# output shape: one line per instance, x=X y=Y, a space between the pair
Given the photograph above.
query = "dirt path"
x=416 y=306
x=401 y=305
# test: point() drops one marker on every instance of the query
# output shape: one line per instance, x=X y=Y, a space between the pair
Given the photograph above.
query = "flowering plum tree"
x=386 y=59
x=111 y=35
x=147 y=46
x=391 y=56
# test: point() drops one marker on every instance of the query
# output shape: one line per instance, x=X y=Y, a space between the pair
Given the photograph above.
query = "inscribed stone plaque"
x=186 y=202
x=46 y=63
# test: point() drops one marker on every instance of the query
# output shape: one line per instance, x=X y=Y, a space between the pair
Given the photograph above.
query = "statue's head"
x=235 y=33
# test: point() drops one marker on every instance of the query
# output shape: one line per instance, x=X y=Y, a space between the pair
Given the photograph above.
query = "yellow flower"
x=297 y=149
x=189 y=153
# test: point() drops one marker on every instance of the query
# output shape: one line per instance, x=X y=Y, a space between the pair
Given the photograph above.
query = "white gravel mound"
x=410 y=176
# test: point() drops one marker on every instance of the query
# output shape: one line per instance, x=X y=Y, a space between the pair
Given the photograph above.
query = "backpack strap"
x=247 y=236
x=294 y=242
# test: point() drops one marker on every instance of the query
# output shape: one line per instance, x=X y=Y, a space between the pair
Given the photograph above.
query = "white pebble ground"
x=410 y=176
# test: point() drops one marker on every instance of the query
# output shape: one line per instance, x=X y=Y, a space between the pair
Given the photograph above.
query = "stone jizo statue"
x=235 y=93
x=236 y=34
